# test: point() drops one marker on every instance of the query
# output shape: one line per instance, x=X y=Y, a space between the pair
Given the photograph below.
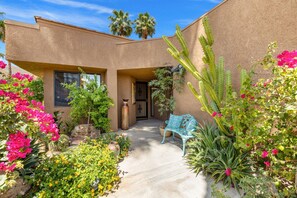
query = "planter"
x=168 y=133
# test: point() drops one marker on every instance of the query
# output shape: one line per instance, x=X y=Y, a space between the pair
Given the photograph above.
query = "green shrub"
x=36 y=86
x=259 y=186
x=123 y=141
x=61 y=145
x=85 y=171
x=213 y=153
x=90 y=102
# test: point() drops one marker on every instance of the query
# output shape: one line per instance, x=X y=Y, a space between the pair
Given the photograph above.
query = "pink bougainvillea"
x=18 y=146
x=2 y=65
x=267 y=164
x=6 y=167
x=14 y=97
x=264 y=154
x=274 y=151
x=288 y=59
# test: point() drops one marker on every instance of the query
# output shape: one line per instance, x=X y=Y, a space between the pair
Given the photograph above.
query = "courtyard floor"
x=155 y=170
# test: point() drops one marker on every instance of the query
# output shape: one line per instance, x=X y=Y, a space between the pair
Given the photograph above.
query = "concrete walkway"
x=155 y=170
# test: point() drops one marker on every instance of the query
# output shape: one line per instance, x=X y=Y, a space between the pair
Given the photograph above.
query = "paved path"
x=155 y=170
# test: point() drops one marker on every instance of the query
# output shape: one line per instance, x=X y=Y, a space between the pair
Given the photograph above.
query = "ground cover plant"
x=88 y=170
x=23 y=123
x=258 y=121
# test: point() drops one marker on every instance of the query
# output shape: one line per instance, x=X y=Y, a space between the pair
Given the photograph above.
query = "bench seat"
x=183 y=125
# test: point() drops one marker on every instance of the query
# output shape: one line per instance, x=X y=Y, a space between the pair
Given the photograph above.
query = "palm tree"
x=2 y=30
x=145 y=25
x=120 y=24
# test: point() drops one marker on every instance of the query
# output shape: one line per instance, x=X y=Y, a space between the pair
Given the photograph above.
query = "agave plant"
x=213 y=153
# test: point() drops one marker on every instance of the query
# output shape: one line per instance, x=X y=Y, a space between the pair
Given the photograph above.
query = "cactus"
x=214 y=81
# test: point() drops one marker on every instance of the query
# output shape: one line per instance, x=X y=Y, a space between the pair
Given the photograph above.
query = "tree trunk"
x=9 y=68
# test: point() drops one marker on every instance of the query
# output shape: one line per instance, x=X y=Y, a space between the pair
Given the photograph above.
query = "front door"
x=141 y=97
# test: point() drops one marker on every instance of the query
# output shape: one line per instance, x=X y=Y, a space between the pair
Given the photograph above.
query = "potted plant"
x=167 y=79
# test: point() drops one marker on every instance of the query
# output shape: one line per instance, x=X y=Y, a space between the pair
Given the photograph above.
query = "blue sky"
x=93 y=14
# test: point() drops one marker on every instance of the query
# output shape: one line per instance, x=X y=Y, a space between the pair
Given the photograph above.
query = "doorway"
x=141 y=97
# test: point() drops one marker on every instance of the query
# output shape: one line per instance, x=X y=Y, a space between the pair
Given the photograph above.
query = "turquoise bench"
x=183 y=125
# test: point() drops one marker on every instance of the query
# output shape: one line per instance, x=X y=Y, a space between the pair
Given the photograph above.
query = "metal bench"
x=183 y=125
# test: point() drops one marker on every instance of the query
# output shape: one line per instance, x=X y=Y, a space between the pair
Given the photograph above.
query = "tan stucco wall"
x=125 y=92
x=242 y=30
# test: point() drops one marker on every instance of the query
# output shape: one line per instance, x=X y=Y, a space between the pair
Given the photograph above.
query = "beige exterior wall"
x=242 y=30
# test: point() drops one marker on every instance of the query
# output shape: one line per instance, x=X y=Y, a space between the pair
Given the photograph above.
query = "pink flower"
x=2 y=65
x=26 y=90
x=242 y=96
x=15 y=84
x=264 y=154
x=288 y=59
x=5 y=167
x=220 y=115
x=18 y=146
x=274 y=151
x=267 y=163
x=2 y=81
x=228 y=172
x=214 y=114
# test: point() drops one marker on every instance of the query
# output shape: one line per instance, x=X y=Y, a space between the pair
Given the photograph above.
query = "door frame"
x=146 y=100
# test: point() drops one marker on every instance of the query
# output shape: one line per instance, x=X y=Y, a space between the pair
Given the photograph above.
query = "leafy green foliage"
x=145 y=25
x=213 y=153
x=123 y=141
x=36 y=86
x=61 y=145
x=163 y=86
x=120 y=24
x=90 y=102
x=259 y=186
x=65 y=125
x=85 y=171
x=2 y=31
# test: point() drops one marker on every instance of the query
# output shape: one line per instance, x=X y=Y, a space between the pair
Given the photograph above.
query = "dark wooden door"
x=141 y=97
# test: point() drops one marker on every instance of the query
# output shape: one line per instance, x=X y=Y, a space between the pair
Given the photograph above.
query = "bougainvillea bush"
x=22 y=123
x=273 y=134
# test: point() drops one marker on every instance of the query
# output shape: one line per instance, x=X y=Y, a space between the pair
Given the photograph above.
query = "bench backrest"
x=189 y=123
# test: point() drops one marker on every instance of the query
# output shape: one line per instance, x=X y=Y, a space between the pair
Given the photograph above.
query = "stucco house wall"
x=242 y=30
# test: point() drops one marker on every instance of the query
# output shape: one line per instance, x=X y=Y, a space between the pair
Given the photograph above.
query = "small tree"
x=120 y=24
x=144 y=25
x=164 y=84
x=90 y=102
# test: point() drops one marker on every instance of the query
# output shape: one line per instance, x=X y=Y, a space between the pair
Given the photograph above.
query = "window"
x=61 y=93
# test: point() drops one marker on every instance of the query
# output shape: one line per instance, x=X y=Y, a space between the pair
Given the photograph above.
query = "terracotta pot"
x=125 y=115
x=168 y=133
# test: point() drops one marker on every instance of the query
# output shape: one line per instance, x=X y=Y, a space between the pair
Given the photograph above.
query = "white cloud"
x=184 y=22
x=76 y=4
x=73 y=19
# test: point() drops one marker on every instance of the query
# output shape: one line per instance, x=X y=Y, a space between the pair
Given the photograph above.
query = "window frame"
x=79 y=83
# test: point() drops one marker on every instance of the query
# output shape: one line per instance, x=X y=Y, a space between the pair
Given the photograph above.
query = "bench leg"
x=184 y=146
x=164 y=136
x=173 y=136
